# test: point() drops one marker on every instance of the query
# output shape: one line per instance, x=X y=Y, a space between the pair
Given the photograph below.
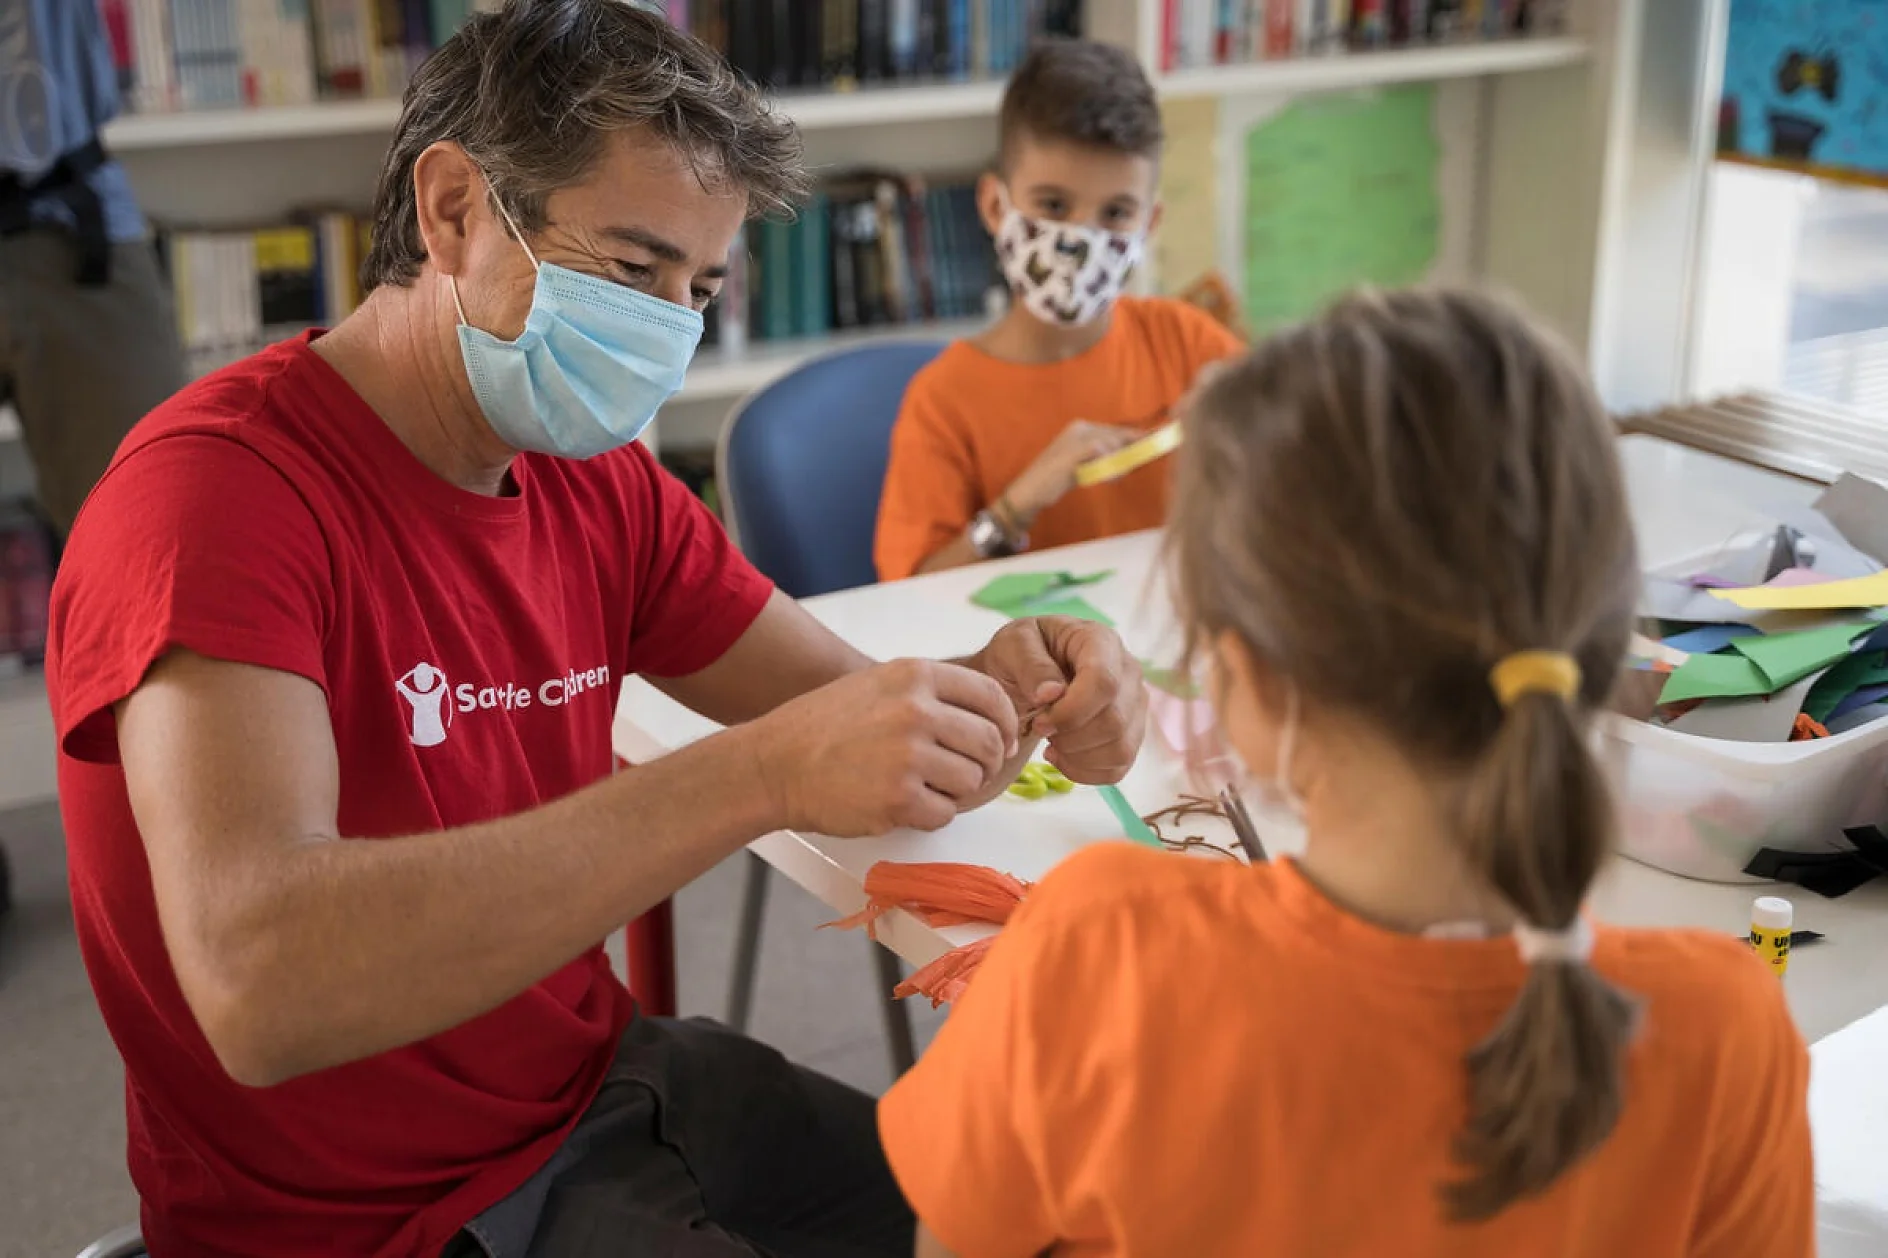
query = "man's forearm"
x=784 y=654
x=343 y=949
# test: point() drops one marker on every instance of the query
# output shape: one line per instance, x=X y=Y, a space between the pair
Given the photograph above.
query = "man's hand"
x=901 y=745
x=1079 y=688
x=1045 y=481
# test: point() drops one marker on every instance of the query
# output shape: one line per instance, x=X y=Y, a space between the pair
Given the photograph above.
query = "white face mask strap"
x=452 y=282
x=1287 y=744
x=512 y=224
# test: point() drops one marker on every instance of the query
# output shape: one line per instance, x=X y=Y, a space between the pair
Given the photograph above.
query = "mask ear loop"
x=1287 y=744
x=452 y=281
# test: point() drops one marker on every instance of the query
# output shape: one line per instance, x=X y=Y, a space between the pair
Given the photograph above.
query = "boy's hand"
x=1052 y=475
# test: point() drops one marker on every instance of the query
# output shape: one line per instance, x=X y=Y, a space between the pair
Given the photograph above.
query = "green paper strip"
x=1130 y=820
x=1079 y=608
x=1020 y=594
x=1787 y=658
x=1714 y=677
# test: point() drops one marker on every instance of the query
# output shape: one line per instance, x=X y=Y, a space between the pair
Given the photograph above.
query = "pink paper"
x=1791 y=577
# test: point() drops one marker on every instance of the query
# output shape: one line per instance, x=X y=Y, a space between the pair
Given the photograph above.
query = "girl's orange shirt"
x=1167 y=1056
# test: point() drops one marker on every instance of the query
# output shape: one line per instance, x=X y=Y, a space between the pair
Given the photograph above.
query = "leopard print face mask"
x=1067 y=274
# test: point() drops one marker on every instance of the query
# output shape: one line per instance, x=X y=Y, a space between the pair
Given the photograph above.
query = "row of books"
x=1230 y=32
x=208 y=54
x=828 y=43
x=237 y=290
x=872 y=249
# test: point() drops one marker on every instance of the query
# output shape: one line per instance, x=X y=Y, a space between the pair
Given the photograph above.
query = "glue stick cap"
x=1772 y=913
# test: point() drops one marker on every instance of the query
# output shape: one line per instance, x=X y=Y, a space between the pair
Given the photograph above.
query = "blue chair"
x=801 y=465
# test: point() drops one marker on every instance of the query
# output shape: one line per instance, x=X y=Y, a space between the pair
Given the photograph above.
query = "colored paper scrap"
x=1863 y=669
x=1865 y=697
x=1858 y=508
x=1157 y=444
x=1707 y=639
x=1020 y=594
x=1829 y=549
x=1131 y=823
x=1786 y=658
x=1856 y=592
x=1714 y=677
x=1758 y=719
x=1754 y=564
x=1665 y=599
x=1858 y=718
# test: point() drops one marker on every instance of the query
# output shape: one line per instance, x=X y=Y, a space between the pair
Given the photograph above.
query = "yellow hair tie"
x=1535 y=673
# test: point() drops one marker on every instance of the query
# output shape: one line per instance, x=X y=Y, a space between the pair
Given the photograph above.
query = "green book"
x=775 y=308
x=812 y=270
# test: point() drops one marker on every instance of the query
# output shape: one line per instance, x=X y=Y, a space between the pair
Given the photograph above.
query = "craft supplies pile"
x=1777 y=637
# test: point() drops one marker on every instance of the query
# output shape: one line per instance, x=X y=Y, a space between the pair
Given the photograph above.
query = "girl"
x=1401 y=539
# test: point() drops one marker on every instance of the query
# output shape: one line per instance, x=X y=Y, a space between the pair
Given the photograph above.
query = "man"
x=87 y=340
x=336 y=648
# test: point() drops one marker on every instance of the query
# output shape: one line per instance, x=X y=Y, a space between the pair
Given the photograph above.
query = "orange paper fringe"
x=939 y=893
x=1807 y=727
x=945 y=979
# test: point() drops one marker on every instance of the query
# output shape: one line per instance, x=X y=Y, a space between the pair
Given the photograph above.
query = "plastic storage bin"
x=1702 y=807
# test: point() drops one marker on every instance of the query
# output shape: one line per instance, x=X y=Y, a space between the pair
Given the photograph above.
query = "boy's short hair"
x=1081 y=92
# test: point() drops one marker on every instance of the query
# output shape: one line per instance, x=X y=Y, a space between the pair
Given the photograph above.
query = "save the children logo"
x=432 y=701
x=425 y=689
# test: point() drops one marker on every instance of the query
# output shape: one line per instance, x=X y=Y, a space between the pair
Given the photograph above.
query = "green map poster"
x=1339 y=192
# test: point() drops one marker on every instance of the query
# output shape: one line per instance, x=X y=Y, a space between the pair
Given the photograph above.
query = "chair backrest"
x=801 y=465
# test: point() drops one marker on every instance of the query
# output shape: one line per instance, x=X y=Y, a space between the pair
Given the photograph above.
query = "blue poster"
x=1806 y=86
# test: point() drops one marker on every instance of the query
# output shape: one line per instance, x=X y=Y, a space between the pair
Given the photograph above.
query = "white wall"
x=1747 y=270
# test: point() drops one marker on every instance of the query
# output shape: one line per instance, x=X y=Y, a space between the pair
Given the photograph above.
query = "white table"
x=1684 y=502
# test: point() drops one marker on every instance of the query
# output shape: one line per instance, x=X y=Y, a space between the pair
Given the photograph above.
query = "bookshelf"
x=1354 y=71
x=1556 y=174
x=894 y=106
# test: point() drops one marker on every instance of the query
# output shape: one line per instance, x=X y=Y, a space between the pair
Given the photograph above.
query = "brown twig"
x=1174 y=814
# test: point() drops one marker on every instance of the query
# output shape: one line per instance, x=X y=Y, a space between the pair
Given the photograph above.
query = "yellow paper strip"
x=1827 y=596
x=1157 y=444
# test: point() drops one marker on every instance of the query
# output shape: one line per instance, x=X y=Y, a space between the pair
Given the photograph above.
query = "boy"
x=985 y=449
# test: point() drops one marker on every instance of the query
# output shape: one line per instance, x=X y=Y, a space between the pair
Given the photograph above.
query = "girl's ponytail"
x=1545 y=1087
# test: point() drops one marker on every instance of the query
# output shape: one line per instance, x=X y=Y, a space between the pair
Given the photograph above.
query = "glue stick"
x=1770 y=919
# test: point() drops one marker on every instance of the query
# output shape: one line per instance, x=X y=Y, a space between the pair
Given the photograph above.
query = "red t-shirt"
x=471 y=649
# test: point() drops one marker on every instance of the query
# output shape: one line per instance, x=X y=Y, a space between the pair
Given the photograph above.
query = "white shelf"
x=720 y=373
x=814 y=111
x=1344 y=70
x=882 y=106
x=188 y=128
x=891 y=105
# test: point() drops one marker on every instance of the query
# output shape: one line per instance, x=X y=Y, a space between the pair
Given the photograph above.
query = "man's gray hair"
x=532 y=92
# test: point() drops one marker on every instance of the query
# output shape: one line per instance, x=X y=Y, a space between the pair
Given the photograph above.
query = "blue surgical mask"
x=594 y=363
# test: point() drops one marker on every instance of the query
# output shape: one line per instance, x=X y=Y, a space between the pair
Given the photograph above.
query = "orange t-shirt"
x=971 y=424
x=1165 y=1056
